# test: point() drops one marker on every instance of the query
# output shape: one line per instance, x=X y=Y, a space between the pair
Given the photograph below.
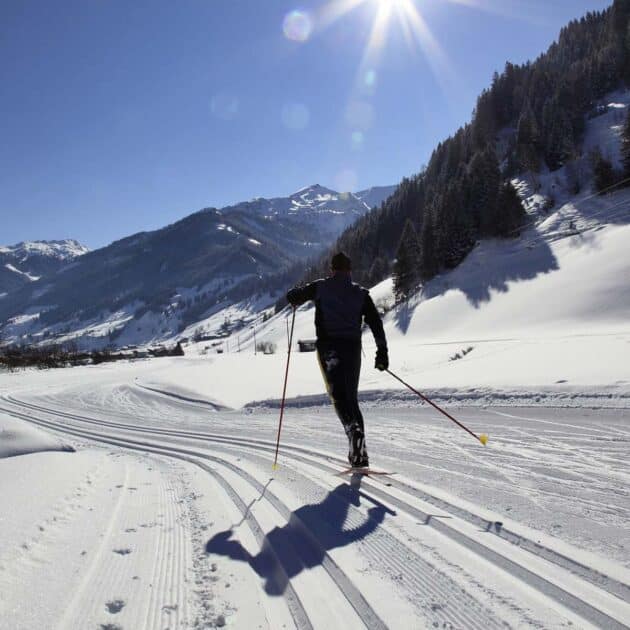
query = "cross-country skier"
x=340 y=308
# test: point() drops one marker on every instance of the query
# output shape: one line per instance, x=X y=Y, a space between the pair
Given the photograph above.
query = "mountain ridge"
x=29 y=261
x=170 y=276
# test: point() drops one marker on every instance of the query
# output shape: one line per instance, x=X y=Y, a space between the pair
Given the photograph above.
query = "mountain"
x=324 y=210
x=375 y=196
x=27 y=262
x=151 y=285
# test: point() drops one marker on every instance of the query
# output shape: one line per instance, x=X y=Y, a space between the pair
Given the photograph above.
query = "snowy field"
x=169 y=515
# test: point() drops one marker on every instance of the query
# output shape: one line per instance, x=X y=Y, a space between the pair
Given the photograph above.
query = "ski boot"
x=357 y=455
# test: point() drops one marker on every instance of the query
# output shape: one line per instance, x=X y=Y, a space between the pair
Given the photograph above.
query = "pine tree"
x=457 y=225
x=603 y=172
x=378 y=271
x=406 y=265
x=528 y=140
x=483 y=185
x=510 y=211
x=625 y=148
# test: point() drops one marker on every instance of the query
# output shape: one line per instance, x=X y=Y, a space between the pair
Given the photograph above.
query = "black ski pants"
x=340 y=362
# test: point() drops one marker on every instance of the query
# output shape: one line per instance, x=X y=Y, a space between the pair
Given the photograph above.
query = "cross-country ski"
x=364 y=471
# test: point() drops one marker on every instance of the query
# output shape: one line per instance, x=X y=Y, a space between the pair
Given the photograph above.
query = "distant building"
x=307 y=345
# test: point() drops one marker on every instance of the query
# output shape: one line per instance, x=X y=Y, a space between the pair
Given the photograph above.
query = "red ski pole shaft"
x=483 y=438
x=284 y=390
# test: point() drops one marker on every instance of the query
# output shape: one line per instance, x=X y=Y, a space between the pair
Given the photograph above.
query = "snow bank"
x=19 y=438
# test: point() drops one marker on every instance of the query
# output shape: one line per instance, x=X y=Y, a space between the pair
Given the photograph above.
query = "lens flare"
x=369 y=78
x=297 y=26
x=346 y=180
x=358 y=138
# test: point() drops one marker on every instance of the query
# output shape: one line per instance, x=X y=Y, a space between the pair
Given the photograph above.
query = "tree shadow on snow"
x=302 y=543
x=489 y=268
x=487 y=273
x=404 y=314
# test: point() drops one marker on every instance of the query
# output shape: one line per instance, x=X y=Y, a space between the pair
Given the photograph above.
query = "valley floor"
x=169 y=514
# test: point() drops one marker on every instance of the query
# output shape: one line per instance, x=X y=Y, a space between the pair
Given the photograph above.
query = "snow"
x=222 y=227
x=169 y=514
x=604 y=131
x=29 y=276
x=19 y=438
x=51 y=249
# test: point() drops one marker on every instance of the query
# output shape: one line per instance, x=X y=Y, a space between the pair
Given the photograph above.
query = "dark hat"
x=340 y=262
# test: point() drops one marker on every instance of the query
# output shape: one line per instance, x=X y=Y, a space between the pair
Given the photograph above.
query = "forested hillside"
x=532 y=118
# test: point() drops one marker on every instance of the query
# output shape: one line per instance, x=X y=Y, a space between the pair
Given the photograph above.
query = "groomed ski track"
x=438 y=563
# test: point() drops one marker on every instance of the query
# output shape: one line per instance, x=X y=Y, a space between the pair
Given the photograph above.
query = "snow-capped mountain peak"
x=315 y=206
x=60 y=250
x=29 y=261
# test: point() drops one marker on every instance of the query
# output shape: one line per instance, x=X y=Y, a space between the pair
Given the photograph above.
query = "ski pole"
x=284 y=390
x=483 y=438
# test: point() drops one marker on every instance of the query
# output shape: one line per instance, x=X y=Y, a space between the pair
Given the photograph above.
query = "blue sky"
x=119 y=116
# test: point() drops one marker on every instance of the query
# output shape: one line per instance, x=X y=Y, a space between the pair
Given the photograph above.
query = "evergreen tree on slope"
x=406 y=266
x=625 y=148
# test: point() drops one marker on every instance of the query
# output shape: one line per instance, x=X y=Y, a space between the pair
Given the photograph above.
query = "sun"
x=407 y=15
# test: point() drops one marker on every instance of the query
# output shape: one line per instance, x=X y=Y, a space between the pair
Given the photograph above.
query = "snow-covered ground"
x=169 y=514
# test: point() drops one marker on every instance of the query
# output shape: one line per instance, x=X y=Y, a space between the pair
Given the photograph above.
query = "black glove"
x=293 y=299
x=382 y=360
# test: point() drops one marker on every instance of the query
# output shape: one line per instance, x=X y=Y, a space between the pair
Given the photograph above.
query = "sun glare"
x=408 y=16
x=389 y=19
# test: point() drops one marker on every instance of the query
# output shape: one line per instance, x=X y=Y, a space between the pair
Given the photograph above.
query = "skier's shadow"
x=288 y=550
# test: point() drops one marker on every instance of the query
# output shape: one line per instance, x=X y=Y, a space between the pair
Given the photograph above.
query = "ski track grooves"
x=370 y=618
x=77 y=605
x=590 y=574
x=365 y=612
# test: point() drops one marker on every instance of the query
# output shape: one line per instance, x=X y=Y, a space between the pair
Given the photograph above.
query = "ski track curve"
x=327 y=462
x=367 y=615
x=376 y=490
x=468 y=614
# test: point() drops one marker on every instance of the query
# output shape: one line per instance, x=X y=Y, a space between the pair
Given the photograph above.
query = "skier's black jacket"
x=340 y=307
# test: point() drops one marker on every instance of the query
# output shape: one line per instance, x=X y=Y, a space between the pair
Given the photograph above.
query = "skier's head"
x=340 y=262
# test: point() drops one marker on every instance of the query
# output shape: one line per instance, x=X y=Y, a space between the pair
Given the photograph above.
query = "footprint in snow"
x=115 y=606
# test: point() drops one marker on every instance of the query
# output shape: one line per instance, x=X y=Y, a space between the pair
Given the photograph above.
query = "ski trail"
x=116 y=588
x=431 y=588
x=292 y=451
x=588 y=460
x=515 y=483
x=74 y=608
x=556 y=423
x=518 y=563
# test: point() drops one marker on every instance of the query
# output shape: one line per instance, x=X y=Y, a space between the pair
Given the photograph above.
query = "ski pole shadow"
x=310 y=532
x=249 y=507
